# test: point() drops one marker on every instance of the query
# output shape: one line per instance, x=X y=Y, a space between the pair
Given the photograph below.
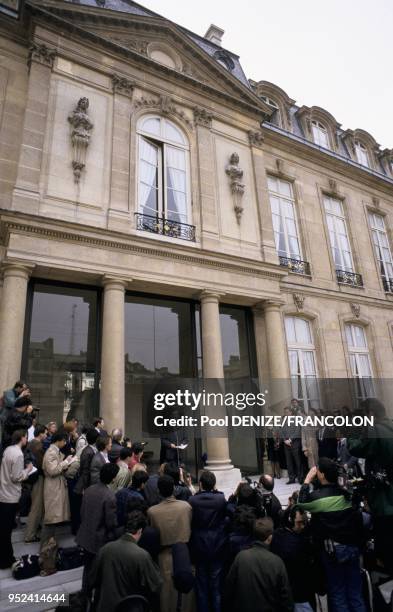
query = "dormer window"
x=275 y=118
x=224 y=59
x=320 y=134
x=362 y=154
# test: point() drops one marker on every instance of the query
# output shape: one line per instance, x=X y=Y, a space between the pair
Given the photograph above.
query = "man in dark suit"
x=85 y=461
x=327 y=443
x=123 y=568
x=98 y=520
x=169 y=443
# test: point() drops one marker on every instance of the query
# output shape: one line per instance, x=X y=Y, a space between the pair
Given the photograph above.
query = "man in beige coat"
x=56 y=502
x=172 y=518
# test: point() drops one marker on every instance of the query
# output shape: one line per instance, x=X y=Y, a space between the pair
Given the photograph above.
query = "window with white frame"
x=320 y=134
x=302 y=361
x=163 y=170
x=382 y=249
x=359 y=358
x=362 y=154
x=338 y=235
x=285 y=227
x=275 y=118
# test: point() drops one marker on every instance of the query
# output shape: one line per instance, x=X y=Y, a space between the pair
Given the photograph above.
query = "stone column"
x=112 y=353
x=12 y=322
x=277 y=354
x=217 y=448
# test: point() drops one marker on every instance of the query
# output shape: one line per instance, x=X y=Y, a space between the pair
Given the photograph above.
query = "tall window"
x=163 y=169
x=382 y=249
x=338 y=235
x=284 y=218
x=302 y=362
x=360 y=360
x=320 y=135
x=275 y=118
x=361 y=154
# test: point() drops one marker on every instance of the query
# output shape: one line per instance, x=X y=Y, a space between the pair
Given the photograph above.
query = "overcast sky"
x=331 y=53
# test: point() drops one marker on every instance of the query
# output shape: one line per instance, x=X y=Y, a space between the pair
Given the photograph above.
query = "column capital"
x=17 y=269
x=209 y=295
x=261 y=307
x=111 y=281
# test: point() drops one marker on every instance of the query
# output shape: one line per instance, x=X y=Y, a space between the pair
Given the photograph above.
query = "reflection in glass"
x=158 y=344
x=61 y=353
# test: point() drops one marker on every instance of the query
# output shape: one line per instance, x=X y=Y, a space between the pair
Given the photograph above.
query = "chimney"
x=214 y=34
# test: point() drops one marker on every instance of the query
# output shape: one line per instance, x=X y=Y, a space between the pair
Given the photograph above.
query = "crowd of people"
x=170 y=544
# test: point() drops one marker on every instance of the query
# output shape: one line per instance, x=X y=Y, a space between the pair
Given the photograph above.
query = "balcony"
x=349 y=278
x=295 y=265
x=165 y=227
x=387 y=284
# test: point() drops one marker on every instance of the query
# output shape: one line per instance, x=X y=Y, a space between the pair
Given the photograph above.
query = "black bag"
x=183 y=577
x=26 y=567
x=69 y=558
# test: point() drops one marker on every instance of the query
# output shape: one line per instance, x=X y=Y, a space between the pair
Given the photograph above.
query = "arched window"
x=320 y=134
x=362 y=154
x=302 y=361
x=163 y=170
x=359 y=358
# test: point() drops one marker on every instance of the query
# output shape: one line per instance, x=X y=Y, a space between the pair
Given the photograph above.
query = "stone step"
x=33 y=585
x=18 y=534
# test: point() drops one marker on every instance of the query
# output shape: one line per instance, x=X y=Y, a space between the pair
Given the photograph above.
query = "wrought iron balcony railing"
x=349 y=278
x=295 y=265
x=165 y=227
x=387 y=284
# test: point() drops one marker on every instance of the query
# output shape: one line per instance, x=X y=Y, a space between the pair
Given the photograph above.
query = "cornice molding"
x=210 y=259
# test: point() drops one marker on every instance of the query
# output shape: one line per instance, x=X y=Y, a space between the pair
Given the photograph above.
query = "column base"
x=227 y=476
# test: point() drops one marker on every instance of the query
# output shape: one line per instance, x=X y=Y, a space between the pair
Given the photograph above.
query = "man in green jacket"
x=258 y=579
x=376 y=446
x=122 y=568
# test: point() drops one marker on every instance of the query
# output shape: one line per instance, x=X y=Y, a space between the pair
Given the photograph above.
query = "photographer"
x=270 y=502
x=376 y=446
x=19 y=417
x=337 y=531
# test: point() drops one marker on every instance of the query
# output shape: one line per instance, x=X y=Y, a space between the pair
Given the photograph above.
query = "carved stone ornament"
x=298 y=299
x=165 y=105
x=333 y=185
x=122 y=85
x=255 y=138
x=133 y=44
x=235 y=174
x=280 y=166
x=203 y=117
x=355 y=309
x=80 y=136
x=42 y=54
x=376 y=202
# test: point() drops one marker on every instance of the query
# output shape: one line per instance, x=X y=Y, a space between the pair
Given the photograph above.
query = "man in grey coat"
x=98 y=520
x=103 y=445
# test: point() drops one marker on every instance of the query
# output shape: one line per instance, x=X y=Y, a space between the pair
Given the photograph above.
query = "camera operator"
x=270 y=502
x=376 y=446
x=337 y=530
x=20 y=417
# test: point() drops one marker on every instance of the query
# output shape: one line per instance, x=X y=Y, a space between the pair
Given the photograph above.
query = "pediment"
x=138 y=35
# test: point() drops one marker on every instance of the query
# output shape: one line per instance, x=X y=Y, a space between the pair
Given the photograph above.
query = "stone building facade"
x=162 y=215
